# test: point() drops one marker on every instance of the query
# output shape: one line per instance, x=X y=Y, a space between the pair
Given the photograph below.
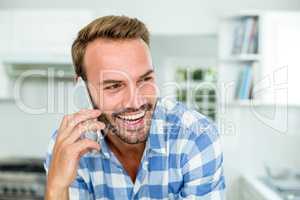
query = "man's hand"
x=68 y=149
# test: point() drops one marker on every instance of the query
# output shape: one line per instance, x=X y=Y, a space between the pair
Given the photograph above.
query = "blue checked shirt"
x=182 y=160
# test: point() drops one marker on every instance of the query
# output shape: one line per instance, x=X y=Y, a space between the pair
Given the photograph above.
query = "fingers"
x=69 y=122
x=82 y=146
x=68 y=149
x=83 y=127
x=64 y=162
x=83 y=152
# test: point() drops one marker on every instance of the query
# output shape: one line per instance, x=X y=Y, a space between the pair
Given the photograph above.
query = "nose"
x=134 y=99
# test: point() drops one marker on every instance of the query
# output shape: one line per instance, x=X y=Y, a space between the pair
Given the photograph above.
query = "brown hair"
x=108 y=27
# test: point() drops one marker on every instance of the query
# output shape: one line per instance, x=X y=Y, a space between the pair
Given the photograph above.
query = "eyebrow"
x=146 y=74
x=105 y=82
x=111 y=81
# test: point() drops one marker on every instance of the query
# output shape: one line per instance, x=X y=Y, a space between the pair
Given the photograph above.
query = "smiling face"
x=122 y=85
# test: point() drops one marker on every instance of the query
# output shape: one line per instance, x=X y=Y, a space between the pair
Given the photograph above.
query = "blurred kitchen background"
x=235 y=61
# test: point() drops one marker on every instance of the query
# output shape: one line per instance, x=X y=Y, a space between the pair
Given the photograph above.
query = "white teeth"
x=132 y=117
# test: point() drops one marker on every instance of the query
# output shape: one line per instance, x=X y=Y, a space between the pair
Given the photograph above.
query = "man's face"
x=122 y=85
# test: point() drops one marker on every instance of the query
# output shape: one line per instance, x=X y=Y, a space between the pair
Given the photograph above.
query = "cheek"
x=149 y=90
x=111 y=102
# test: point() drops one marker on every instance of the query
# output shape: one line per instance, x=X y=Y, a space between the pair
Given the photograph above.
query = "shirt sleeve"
x=78 y=190
x=203 y=166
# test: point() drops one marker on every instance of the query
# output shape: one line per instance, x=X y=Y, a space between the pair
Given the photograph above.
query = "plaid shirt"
x=182 y=160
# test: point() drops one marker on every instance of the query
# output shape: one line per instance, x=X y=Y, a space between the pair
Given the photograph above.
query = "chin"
x=134 y=136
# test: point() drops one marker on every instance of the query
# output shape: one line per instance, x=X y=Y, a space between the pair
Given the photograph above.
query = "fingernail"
x=94 y=151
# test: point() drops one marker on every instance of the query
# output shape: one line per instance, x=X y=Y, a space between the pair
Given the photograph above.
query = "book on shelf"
x=245 y=36
x=245 y=84
x=253 y=39
x=246 y=80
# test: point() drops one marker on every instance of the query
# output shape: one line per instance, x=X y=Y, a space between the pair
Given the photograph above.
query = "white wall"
x=168 y=16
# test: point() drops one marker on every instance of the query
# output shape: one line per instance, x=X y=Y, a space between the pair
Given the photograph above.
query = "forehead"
x=117 y=59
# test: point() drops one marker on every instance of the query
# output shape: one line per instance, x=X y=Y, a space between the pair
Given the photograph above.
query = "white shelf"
x=61 y=65
x=195 y=84
x=246 y=103
x=276 y=65
x=255 y=103
x=7 y=99
x=242 y=14
x=242 y=58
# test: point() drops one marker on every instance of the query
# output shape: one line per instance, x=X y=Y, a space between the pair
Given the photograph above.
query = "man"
x=151 y=148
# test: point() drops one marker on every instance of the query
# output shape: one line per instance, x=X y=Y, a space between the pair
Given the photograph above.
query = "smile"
x=134 y=117
x=132 y=122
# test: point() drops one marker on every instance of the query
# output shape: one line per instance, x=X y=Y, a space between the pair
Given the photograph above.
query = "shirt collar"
x=157 y=134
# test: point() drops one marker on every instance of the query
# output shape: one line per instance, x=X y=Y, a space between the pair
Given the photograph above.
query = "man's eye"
x=114 y=86
x=148 y=78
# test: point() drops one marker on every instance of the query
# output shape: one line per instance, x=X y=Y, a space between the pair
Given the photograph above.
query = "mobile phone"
x=82 y=100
